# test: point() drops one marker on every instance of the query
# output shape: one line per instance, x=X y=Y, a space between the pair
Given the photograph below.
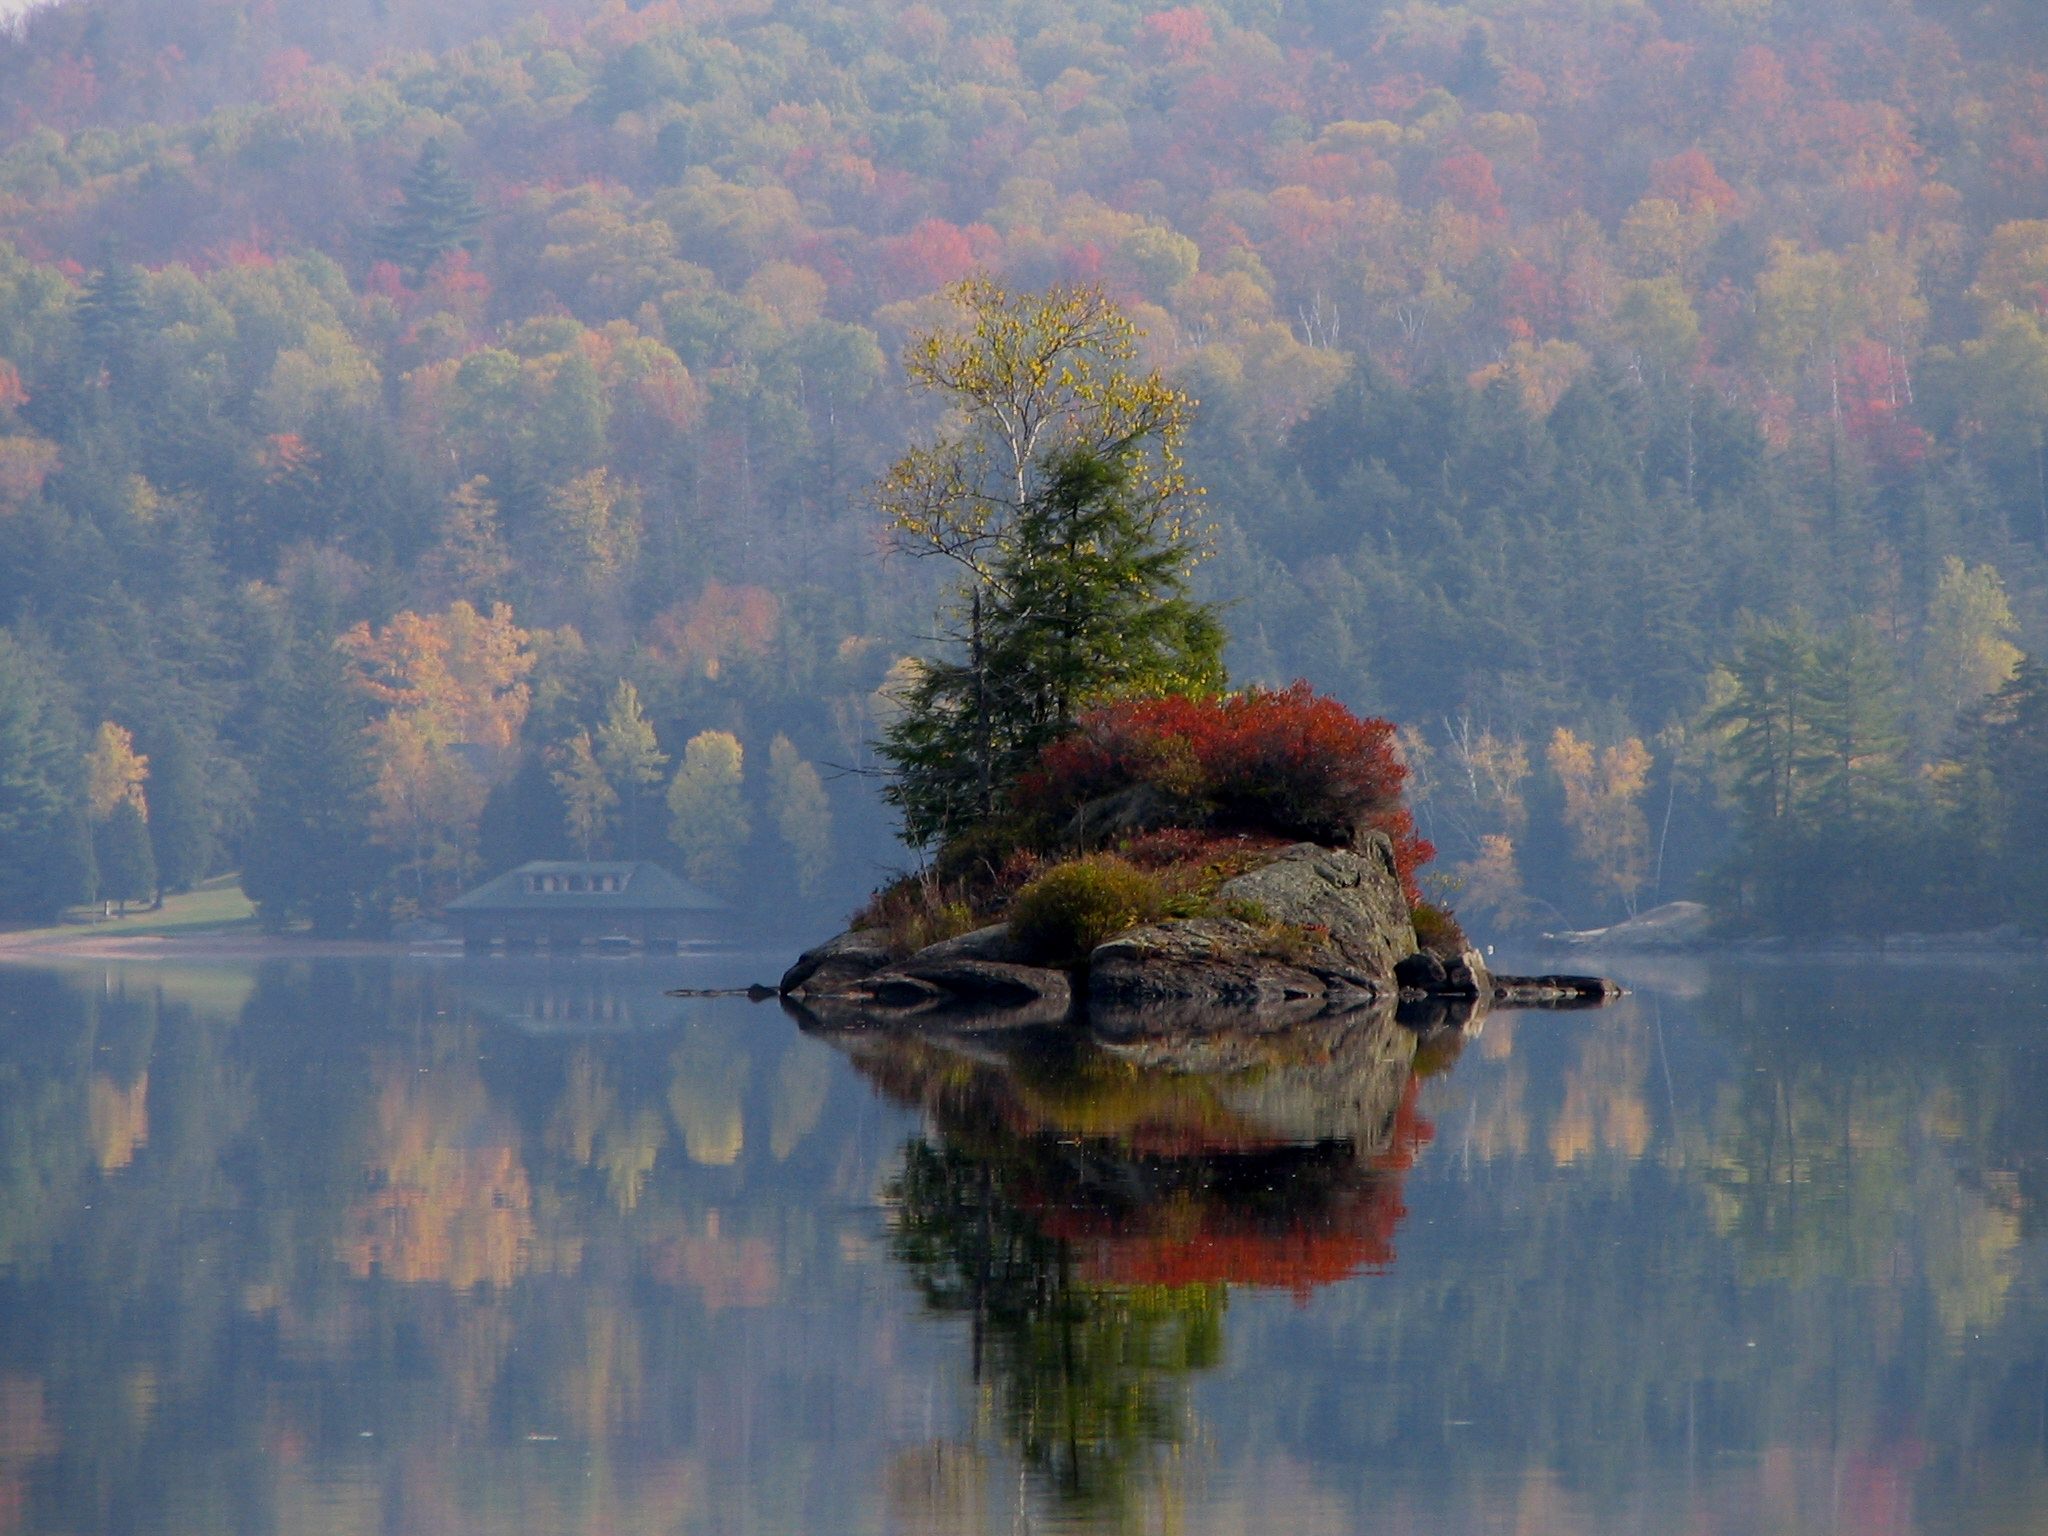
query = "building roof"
x=641 y=887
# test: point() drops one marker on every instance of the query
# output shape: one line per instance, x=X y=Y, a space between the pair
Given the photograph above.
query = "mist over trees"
x=1586 y=386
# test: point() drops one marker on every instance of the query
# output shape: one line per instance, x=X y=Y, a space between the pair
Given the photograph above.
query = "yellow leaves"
x=2014 y=273
x=1541 y=372
x=466 y=668
x=586 y=793
x=1492 y=881
x=117 y=1120
x=450 y=1200
x=1600 y=793
x=706 y=1093
x=791 y=295
x=707 y=816
x=455 y=695
x=114 y=772
x=1968 y=657
x=327 y=374
x=803 y=815
x=594 y=522
x=1027 y=376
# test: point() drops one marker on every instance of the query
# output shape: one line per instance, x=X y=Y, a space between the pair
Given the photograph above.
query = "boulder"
x=992 y=943
x=1466 y=975
x=975 y=983
x=1422 y=972
x=1350 y=898
x=837 y=964
x=979 y=972
x=1213 y=962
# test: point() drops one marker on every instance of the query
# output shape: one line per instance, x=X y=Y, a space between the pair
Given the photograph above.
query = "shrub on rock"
x=1061 y=916
x=1285 y=762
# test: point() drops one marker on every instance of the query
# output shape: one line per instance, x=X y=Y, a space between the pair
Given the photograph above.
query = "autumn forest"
x=436 y=436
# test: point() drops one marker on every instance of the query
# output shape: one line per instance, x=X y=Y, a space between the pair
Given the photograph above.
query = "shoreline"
x=208 y=946
x=40 y=947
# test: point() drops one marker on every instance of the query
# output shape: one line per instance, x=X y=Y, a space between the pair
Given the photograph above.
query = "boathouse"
x=568 y=904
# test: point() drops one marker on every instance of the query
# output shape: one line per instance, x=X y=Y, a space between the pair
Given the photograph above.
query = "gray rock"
x=1422 y=972
x=1215 y=962
x=836 y=964
x=972 y=983
x=1554 y=991
x=1467 y=976
x=1352 y=896
x=993 y=944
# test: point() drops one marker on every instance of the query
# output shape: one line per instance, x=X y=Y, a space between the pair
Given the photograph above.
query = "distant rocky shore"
x=1333 y=934
x=1689 y=927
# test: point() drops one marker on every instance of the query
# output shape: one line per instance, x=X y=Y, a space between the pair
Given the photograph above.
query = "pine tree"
x=523 y=819
x=1084 y=602
x=45 y=842
x=311 y=851
x=439 y=215
x=182 y=824
x=2015 y=758
x=111 y=312
x=127 y=864
x=1858 y=738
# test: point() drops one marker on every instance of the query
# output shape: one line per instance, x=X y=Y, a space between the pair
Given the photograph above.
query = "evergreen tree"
x=522 y=819
x=439 y=215
x=111 y=312
x=311 y=852
x=1085 y=601
x=45 y=844
x=183 y=827
x=127 y=864
x=1858 y=739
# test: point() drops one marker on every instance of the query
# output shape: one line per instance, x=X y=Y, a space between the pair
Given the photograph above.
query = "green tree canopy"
x=439 y=215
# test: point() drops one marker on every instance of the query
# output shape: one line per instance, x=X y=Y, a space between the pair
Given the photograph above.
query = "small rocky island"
x=1117 y=830
x=1284 y=933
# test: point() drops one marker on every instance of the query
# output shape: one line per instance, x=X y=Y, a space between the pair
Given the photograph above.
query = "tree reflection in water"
x=1088 y=1206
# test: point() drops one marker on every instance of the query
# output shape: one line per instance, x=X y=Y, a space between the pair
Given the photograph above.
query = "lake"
x=467 y=1245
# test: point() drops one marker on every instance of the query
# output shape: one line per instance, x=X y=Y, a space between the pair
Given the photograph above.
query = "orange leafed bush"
x=1285 y=762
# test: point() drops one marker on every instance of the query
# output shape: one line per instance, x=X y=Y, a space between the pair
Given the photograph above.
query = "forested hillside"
x=434 y=434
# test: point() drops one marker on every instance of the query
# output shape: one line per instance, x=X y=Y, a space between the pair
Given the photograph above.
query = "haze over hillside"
x=1644 y=404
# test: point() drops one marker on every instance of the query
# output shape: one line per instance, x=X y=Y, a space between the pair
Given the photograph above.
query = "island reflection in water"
x=425 y=1248
x=1089 y=1205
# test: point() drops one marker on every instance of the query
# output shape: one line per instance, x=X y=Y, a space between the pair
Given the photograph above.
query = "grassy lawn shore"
x=216 y=907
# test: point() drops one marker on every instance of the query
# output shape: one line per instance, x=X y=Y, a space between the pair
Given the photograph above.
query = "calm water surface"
x=417 y=1246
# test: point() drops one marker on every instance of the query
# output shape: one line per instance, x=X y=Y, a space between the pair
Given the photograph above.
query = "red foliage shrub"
x=1179 y=847
x=1283 y=762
